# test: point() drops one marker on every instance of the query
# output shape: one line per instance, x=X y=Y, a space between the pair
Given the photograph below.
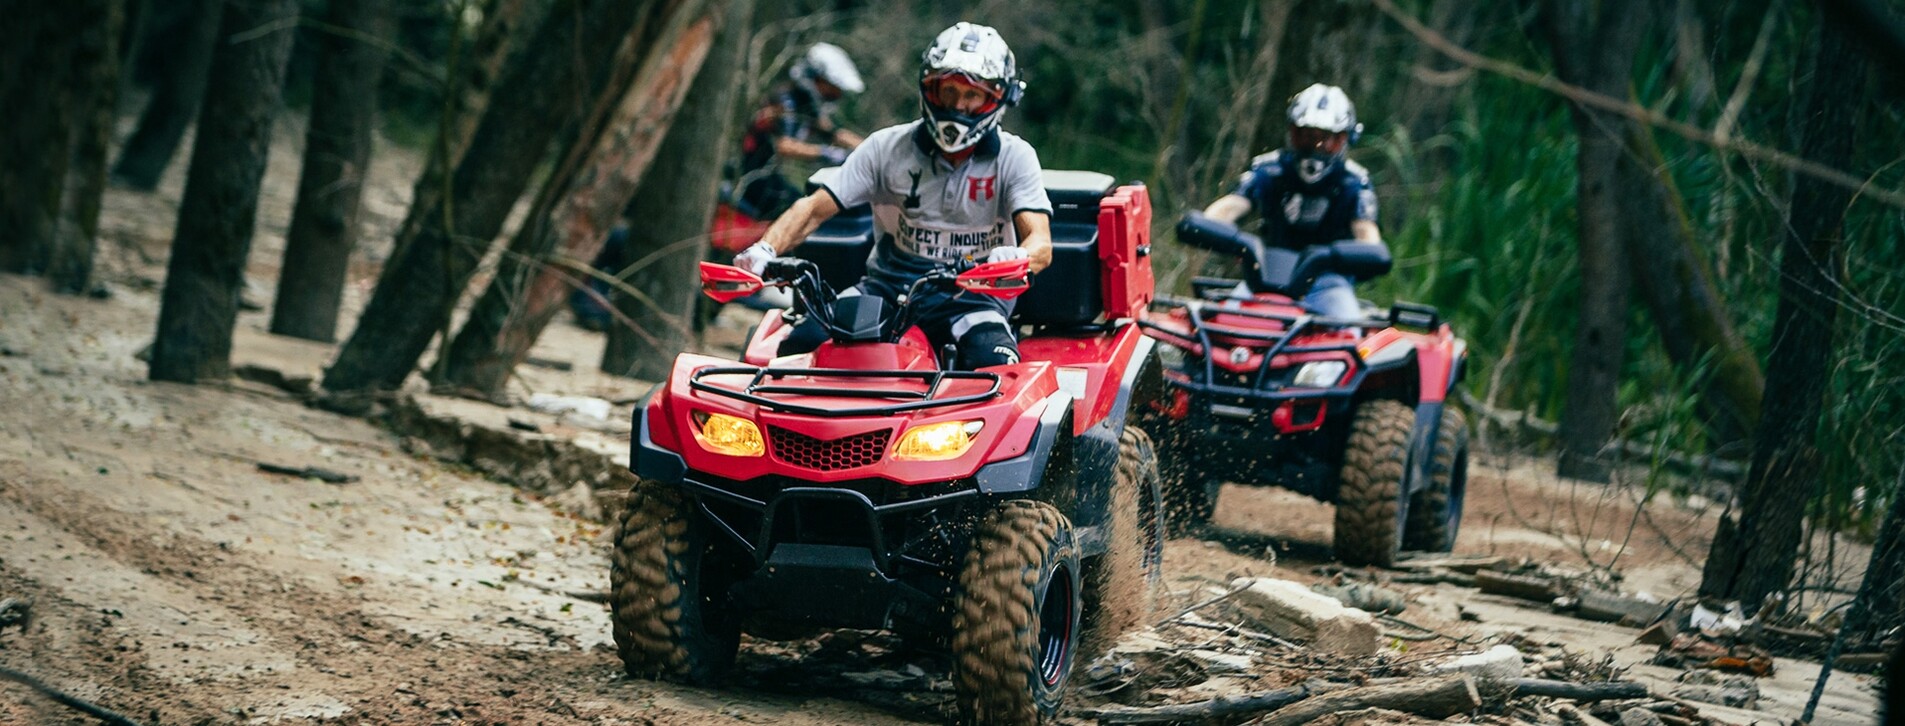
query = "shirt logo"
x=980 y=185
x=912 y=195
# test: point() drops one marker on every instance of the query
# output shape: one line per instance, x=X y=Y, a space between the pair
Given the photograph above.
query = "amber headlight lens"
x=724 y=434
x=938 y=442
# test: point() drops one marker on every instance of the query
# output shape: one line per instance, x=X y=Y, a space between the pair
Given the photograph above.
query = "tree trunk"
x=96 y=73
x=1594 y=48
x=580 y=202
x=42 y=101
x=423 y=279
x=176 y=99
x=678 y=208
x=216 y=216
x=471 y=76
x=1671 y=266
x=317 y=252
x=1784 y=474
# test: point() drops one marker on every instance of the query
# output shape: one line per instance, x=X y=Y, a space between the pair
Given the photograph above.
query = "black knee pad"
x=987 y=344
x=804 y=338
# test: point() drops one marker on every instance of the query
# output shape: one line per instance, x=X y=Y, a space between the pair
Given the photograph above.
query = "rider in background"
x=796 y=123
x=948 y=188
x=1308 y=193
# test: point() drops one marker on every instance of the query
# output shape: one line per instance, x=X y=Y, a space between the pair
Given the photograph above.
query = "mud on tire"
x=1121 y=585
x=1015 y=617
x=1435 y=513
x=1368 y=528
x=668 y=618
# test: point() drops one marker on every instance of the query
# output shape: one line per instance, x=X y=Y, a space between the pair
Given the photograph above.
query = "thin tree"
x=174 y=102
x=206 y=271
x=96 y=71
x=471 y=74
x=674 y=213
x=1753 y=553
x=540 y=88
x=350 y=60
x=580 y=201
x=42 y=102
x=1594 y=46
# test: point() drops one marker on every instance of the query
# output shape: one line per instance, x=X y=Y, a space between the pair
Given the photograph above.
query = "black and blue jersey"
x=1295 y=214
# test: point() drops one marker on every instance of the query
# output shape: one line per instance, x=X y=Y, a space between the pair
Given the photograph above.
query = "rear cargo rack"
x=764 y=383
x=1261 y=388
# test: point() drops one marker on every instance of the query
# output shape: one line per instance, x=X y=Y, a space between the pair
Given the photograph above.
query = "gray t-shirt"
x=929 y=212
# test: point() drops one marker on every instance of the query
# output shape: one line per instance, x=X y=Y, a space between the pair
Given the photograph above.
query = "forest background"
x=1671 y=228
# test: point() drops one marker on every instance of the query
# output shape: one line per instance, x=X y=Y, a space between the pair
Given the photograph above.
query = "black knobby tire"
x=1121 y=585
x=1435 y=513
x=1368 y=528
x=1015 y=617
x=668 y=610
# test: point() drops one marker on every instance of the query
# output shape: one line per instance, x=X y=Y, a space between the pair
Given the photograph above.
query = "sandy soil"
x=175 y=582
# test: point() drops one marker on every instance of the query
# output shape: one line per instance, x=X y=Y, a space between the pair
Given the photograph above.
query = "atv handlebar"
x=1280 y=269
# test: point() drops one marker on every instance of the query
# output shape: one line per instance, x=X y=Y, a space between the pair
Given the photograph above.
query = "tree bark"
x=423 y=279
x=1673 y=271
x=337 y=143
x=676 y=211
x=174 y=102
x=1594 y=47
x=205 y=274
x=580 y=202
x=35 y=149
x=1784 y=475
x=95 y=70
x=471 y=76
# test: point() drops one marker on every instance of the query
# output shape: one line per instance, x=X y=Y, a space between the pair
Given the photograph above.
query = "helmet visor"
x=1324 y=141
x=960 y=92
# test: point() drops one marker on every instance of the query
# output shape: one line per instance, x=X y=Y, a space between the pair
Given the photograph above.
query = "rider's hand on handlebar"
x=1007 y=254
x=754 y=259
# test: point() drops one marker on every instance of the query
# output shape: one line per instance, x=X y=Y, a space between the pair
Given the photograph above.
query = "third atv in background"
x=1350 y=412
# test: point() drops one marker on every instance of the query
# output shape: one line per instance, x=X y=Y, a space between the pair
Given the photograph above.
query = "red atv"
x=1009 y=512
x=1346 y=411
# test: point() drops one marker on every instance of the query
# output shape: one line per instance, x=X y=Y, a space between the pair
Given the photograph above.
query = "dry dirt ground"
x=176 y=583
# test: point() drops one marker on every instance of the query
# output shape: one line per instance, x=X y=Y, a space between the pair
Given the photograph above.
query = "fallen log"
x=1606 y=691
x=1465 y=565
x=1538 y=589
x=1216 y=708
x=1611 y=607
x=1439 y=697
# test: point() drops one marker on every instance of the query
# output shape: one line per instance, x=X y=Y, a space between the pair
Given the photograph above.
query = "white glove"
x=754 y=259
x=1007 y=254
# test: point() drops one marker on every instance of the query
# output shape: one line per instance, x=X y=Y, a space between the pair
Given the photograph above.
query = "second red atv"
x=1011 y=512
x=1350 y=412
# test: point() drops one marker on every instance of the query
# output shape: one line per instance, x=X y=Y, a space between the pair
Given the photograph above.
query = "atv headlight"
x=938 y=441
x=724 y=434
x=1319 y=374
x=1171 y=356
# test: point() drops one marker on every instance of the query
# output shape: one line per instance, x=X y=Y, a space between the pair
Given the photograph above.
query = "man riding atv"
x=947 y=188
x=1310 y=194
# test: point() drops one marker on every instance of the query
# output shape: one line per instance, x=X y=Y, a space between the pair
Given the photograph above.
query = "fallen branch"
x=1538 y=589
x=1440 y=697
x=1606 y=691
x=1526 y=426
x=309 y=472
x=60 y=697
x=1224 y=707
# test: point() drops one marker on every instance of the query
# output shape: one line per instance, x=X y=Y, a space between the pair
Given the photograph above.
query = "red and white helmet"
x=1322 y=126
x=976 y=56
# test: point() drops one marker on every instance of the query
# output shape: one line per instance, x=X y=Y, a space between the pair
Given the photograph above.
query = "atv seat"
x=1068 y=293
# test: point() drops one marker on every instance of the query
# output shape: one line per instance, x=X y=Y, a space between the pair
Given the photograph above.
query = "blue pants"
x=1333 y=296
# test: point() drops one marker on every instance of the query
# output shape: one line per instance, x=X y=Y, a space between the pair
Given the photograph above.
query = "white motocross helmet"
x=826 y=62
x=1322 y=126
x=976 y=55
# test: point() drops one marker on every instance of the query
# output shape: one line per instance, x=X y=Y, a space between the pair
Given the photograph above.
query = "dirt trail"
x=176 y=583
